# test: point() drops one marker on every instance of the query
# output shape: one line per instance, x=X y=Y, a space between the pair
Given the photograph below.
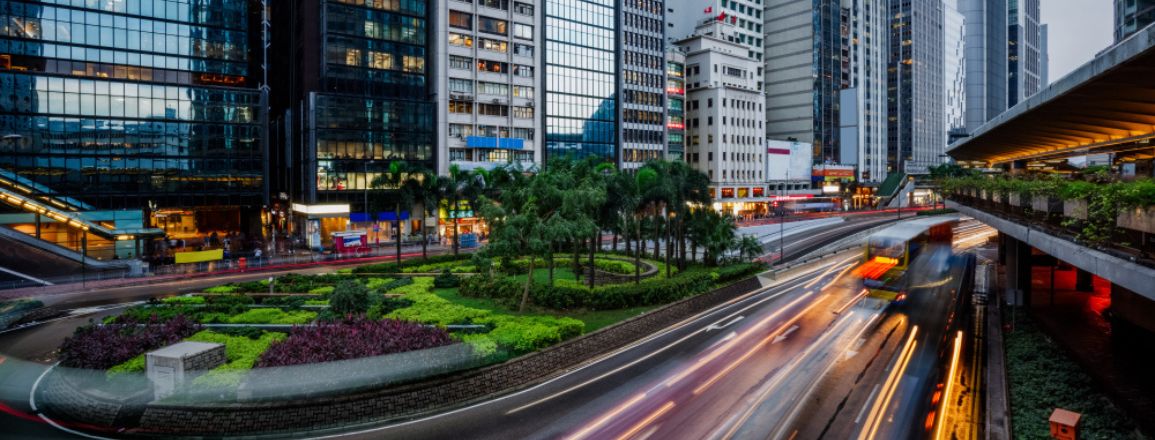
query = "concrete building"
x=1131 y=16
x=488 y=57
x=862 y=101
x=804 y=72
x=917 y=131
x=788 y=166
x=985 y=59
x=725 y=130
x=954 y=57
x=745 y=15
x=675 y=104
x=642 y=81
x=1024 y=55
x=1045 y=62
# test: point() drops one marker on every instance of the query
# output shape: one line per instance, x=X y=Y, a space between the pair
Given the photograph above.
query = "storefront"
x=317 y=223
x=744 y=202
x=471 y=227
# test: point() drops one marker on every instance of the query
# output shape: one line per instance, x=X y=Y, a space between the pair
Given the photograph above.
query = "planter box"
x=986 y=195
x=1075 y=209
x=1138 y=219
x=1047 y=204
x=1016 y=200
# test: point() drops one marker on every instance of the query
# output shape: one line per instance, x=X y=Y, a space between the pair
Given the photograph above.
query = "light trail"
x=939 y=432
x=878 y=411
x=650 y=419
x=606 y=417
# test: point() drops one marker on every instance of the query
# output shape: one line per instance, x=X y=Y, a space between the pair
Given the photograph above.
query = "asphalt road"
x=733 y=348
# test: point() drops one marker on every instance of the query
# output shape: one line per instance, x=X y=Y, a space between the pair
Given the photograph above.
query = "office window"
x=380 y=60
x=523 y=112
x=524 y=50
x=523 y=31
x=460 y=130
x=493 y=45
x=460 y=40
x=492 y=109
x=523 y=71
x=495 y=4
x=492 y=88
x=492 y=25
x=492 y=66
x=460 y=20
x=523 y=133
x=523 y=8
x=523 y=92
x=460 y=85
x=458 y=62
x=460 y=107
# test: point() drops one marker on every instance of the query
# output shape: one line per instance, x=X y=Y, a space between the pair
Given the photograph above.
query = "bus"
x=888 y=254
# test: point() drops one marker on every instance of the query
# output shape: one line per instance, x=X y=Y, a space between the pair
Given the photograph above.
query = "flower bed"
x=241 y=354
x=360 y=338
x=100 y=347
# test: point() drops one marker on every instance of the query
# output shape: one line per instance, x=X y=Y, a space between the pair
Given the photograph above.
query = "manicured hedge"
x=392 y=267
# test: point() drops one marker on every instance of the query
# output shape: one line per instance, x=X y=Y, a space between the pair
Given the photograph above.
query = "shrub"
x=349 y=340
x=241 y=354
x=349 y=297
x=483 y=346
x=100 y=347
x=446 y=280
x=524 y=334
x=377 y=283
x=272 y=316
x=183 y=300
x=229 y=300
x=292 y=302
x=392 y=267
x=325 y=290
x=497 y=287
x=222 y=289
x=614 y=266
x=396 y=284
x=386 y=306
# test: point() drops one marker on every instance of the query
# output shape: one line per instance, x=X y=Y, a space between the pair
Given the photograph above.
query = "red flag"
x=722 y=16
x=709 y=9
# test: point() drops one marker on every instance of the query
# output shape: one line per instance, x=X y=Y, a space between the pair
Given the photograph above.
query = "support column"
x=1083 y=281
x=37 y=226
x=1132 y=312
x=1003 y=247
x=1018 y=270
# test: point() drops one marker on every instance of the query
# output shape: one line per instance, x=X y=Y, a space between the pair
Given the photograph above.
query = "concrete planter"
x=1016 y=199
x=1047 y=204
x=986 y=195
x=1138 y=219
x=1075 y=209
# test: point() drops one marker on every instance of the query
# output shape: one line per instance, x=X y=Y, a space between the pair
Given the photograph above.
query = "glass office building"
x=146 y=105
x=351 y=96
x=580 y=81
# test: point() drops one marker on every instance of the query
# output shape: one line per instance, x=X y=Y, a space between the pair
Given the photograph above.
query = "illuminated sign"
x=321 y=209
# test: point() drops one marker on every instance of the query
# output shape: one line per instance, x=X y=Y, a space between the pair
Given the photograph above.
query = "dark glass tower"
x=1131 y=16
x=580 y=79
x=134 y=104
x=351 y=97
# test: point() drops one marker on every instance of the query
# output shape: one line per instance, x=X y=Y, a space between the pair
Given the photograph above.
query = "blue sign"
x=495 y=142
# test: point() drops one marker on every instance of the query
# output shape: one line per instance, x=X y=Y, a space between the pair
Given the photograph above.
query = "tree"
x=398 y=177
x=425 y=191
x=349 y=297
x=748 y=247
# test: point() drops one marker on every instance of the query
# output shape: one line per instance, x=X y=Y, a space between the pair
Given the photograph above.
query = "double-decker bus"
x=888 y=254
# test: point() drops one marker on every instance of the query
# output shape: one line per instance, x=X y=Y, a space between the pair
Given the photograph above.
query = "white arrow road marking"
x=719 y=326
x=782 y=337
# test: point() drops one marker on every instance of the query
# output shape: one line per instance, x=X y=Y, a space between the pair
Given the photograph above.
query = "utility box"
x=1065 y=424
x=170 y=367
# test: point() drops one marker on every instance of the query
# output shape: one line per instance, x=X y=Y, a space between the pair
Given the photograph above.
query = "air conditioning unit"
x=496 y=101
x=529 y=104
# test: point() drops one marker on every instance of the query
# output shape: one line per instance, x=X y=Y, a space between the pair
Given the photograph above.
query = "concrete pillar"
x=1083 y=281
x=1003 y=248
x=37 y=226
x=1018 y=270
x=1133 y=310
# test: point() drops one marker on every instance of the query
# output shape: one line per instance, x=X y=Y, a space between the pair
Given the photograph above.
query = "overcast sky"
x=1078 y=30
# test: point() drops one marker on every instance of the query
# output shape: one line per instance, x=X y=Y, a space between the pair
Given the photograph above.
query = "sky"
x=1078 y=30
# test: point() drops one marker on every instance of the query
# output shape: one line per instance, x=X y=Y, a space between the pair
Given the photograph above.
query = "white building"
x=788 y=165
x=745 y=15
x=488 y=55
x=725 y=130
x=917 y=131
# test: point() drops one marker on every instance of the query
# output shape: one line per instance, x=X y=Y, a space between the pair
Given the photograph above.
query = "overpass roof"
x=1106 y=105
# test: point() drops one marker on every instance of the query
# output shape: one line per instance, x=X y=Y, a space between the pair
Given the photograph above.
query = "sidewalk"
x=270 y=264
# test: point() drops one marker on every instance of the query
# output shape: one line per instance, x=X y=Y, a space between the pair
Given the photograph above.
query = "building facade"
x=804 y=72
x=1131 y=16
x=862 y=107
x=745 y=15
x=353 y=96
x=917 y=131
x=1024 y=50
x=675 y=104
x=985 y=60
x=724 y=129
x=642 y=81
x=954 y=57
x=489 y=59
x=580 y=80
x=149 y=106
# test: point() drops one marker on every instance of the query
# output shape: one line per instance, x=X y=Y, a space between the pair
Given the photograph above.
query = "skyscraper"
x=136 y=105
x=804 y=73
x=642 y=104
x=488 y=107
x=917 y=131
x=580 y=80
x=1132 y=15
x=1024 y=58
x=863 y=102
x=954 y=57
x=985 y=60
x=352 y=97
x=675 y=103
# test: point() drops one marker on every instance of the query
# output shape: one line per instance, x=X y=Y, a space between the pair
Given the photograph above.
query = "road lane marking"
x=719 y=326
x=869 y=399
x=782 y=337
x=878 y=409
x=641 y=425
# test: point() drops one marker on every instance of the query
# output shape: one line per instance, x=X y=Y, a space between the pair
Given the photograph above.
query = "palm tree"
x=748 y=247
x=425 y=192
x=397 y=178
x=460 y=186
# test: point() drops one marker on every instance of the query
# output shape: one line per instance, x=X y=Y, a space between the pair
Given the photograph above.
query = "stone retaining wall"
x=423 y=397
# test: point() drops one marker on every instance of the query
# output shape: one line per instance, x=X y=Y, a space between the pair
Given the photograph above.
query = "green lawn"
x=594 y=320
x=541 y=275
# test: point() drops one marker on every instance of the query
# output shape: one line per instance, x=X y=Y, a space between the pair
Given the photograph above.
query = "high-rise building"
x=804 y=73
x=488 y=105
x=675 y=103
x=745 y=15
x=1132 y=15
x=725 y=130
x=1045 y=62
x=985 y=60
x=580 y=80
x=1024 y=58
x=147 y=106
x=642 y=81
x=862 y=108
x=352 y=96
x=954 y=57
x=917 y=131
